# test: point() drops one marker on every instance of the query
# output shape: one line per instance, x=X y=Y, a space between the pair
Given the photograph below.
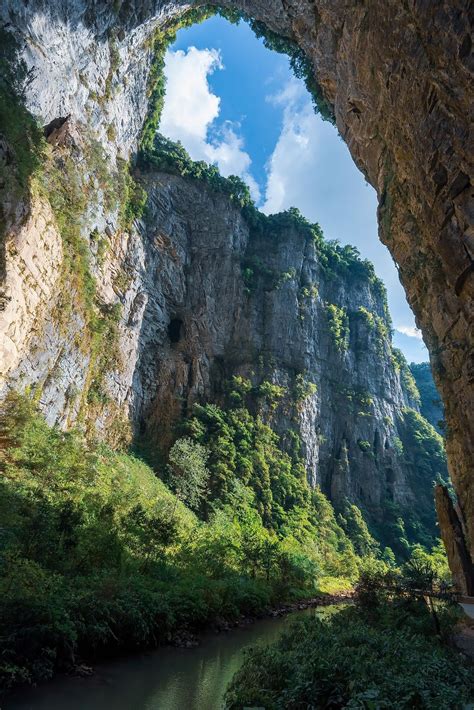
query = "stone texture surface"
x=399 y=76
x=454 y=537
x=186 y=266
x=34 y=265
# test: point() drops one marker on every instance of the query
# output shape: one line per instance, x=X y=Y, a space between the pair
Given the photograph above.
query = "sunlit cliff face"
x=397 y=81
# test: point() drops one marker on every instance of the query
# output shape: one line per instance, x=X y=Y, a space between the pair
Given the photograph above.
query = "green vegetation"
x=188 y=475
x=255 y=273
x=113 y=67
x=299 y=62
x=99 y=552
x=382 y=331
x=388 y=651
x=348 y=660
x=364 y=446
x=34 y=169
x=338 y=324
x=431 y=406
x=380 y=326
x=104 y=329
x=163 y=37
x=306 y=294
x=406 y=377
x=352 y=522
x=425 y=446
x=366 y=316
x=358 y=399
x=96 y=553
x=303 y=388
x=337 y=262
x=245 y=453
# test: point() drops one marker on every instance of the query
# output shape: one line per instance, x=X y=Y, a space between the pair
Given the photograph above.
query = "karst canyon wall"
x=397 y=79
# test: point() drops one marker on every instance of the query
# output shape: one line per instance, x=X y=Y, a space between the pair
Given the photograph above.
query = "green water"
x=166 y=679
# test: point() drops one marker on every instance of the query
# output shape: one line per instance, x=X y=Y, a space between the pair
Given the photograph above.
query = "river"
x=165 y=679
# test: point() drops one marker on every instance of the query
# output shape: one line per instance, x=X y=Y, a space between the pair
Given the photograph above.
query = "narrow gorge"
x=148 y=306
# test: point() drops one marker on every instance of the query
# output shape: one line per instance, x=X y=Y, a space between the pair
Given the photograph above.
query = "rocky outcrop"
x=453 y=532
x=398 y=77
x=34 y=263
x=224 y=300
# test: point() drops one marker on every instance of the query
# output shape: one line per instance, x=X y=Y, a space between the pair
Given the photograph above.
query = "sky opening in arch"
x=232 y=102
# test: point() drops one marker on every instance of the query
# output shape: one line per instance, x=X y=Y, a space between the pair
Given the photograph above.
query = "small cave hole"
x=376 y=442
x=54 y=125
x=175 y=330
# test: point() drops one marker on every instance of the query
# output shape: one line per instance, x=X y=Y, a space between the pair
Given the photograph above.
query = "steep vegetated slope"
x=246 y=359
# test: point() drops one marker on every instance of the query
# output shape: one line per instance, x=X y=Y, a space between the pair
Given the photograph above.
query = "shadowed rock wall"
x=398 y=76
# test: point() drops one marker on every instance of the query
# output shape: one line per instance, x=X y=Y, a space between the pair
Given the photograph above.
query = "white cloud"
x=410 y=330
x=292 y=165
x=190 y=112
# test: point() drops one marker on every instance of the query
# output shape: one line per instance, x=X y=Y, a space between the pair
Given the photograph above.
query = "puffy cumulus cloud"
x=190 y=112
x=410 y=330
x=292 y=167
x=310 y=168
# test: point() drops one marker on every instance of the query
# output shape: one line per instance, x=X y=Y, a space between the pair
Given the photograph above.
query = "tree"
x=188 y=473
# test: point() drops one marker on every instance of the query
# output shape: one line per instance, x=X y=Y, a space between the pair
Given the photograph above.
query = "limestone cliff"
x=396 y=78
x=276 y=304
x=197 y=292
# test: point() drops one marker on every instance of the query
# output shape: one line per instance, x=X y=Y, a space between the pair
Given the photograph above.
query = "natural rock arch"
x=398 y=77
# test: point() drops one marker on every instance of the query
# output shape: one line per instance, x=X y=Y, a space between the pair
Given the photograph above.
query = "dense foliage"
x=406 y=376
x=349 y=660
x=338 y=324
x=421 y=448
x=97 y=553
x=246 y=458
x=387 y=651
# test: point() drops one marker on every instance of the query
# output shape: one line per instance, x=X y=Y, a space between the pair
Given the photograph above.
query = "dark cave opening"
x=175 y=330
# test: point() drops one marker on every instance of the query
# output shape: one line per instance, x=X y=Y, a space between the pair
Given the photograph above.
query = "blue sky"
x=234 y=103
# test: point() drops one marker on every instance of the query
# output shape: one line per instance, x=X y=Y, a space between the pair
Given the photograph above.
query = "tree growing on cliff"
x=188 y=473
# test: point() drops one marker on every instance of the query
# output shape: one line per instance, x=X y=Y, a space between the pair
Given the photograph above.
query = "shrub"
x=338 y=324
x=345 y=660
x=188 y=474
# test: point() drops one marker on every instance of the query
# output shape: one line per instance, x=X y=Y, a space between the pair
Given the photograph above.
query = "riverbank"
x=168 y=678
x=186 y=638
x=101 y=558
x=383 y=654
